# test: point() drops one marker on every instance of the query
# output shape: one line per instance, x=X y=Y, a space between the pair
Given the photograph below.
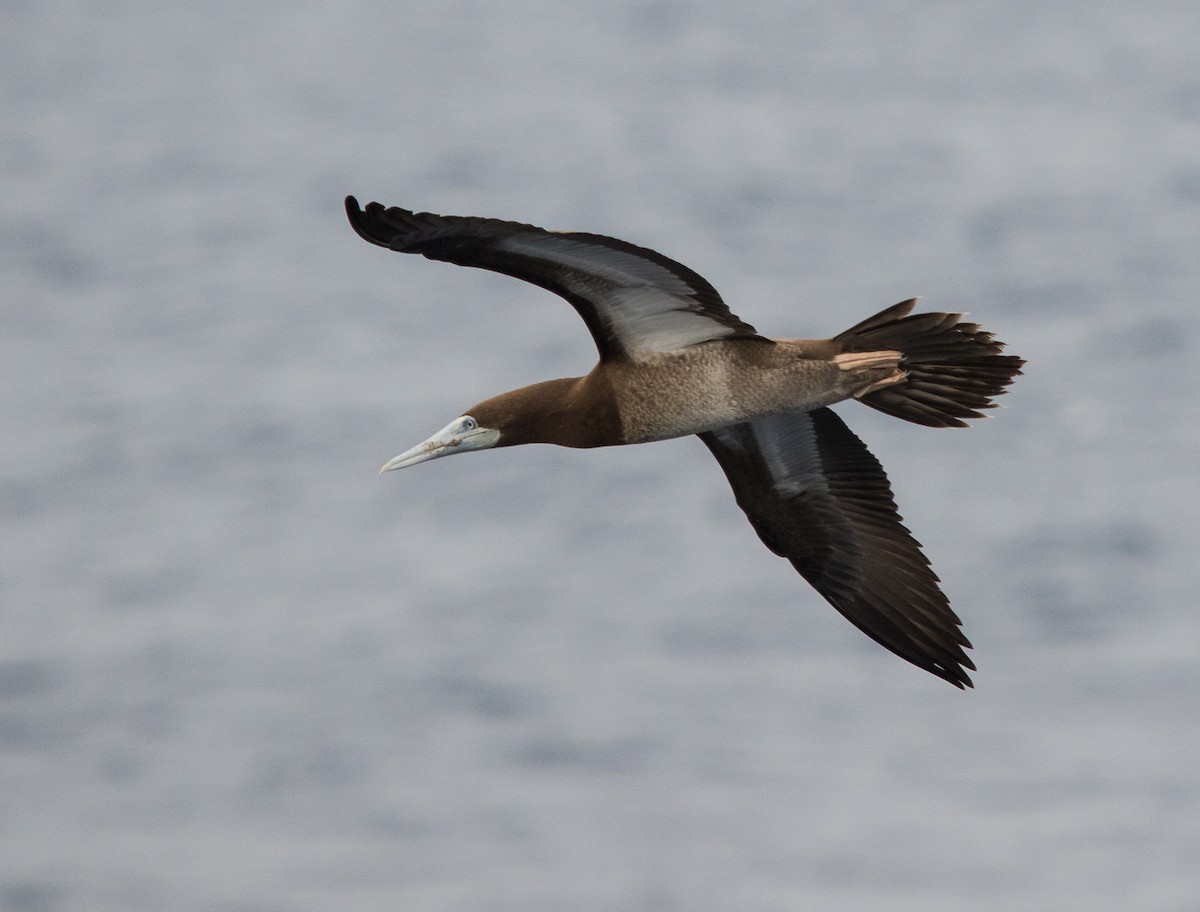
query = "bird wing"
x=635 y=301
x=816 y=495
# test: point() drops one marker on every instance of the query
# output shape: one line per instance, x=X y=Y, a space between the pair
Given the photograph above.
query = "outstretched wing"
x=634 y=301
x=817 y=496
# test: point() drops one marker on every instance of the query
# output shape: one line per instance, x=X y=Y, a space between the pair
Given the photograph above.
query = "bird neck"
x=570 y=412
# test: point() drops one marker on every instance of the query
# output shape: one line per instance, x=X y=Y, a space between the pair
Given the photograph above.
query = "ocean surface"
x=240 y=671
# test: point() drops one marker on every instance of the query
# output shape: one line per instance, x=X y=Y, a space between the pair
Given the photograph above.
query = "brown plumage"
x=674 y=361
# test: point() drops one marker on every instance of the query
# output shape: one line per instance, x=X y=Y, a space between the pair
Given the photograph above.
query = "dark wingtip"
x=355 y=215
x=957 y=674
x=953 y=672
x=366 y=222
x=962 y=680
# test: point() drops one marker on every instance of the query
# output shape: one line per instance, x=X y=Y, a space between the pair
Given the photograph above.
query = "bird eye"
x=469 y=423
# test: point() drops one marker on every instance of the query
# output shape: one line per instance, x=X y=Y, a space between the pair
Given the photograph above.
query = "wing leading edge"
x=634 y=300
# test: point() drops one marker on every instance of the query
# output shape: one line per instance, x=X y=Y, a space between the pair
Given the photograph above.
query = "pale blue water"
x=240 y=671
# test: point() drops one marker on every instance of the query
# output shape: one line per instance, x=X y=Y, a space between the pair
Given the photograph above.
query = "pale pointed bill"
x=460 y=436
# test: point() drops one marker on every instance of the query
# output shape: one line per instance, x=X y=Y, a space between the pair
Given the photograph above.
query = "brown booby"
x=675 y=361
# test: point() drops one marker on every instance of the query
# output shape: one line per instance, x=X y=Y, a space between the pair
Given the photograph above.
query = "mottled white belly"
x=700 y=389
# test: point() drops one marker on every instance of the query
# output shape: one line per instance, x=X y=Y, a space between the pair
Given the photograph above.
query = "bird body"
x=675 y=361
x=677 y=394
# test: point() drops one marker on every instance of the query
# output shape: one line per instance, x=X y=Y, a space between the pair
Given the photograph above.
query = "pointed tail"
x=952 y=369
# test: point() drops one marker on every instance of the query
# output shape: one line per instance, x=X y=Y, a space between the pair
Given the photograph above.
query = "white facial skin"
x=460 y=436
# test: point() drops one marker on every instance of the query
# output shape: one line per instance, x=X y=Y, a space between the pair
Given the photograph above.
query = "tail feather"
x=952 y=369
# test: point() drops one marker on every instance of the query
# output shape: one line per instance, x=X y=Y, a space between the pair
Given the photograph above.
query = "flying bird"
x=675 y=361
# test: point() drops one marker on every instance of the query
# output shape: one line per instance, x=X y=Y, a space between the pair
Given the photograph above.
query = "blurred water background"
x=240 y=671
